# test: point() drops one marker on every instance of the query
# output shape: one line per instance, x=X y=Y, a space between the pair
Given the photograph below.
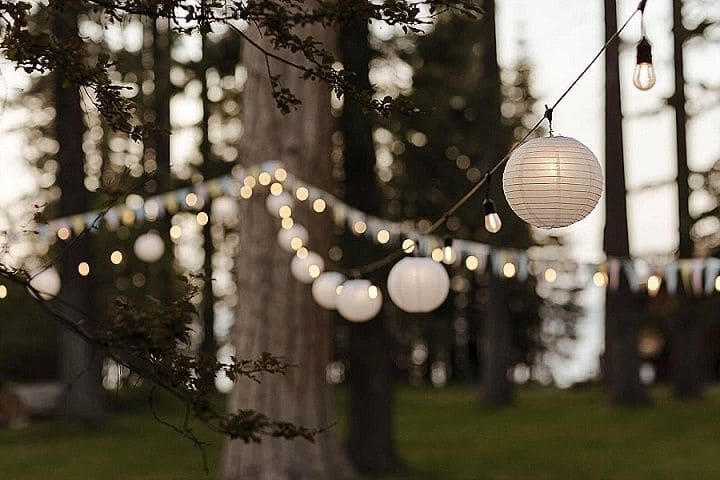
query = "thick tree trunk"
x=496 y=346
x=209 y=344
x=687 y=352
x=371 y=436
x=275 y=313
x=622 y=360
x=80 y=364
x=496 y=340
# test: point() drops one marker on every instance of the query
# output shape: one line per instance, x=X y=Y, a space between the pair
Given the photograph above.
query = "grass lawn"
x=442 y=434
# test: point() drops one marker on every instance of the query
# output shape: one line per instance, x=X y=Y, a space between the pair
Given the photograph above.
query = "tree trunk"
x=371 y=432
x=275 y=313
x=687 y=352
x=497 y=342
x=209 y=344
x=622 y=360
x=80 y=364
x=497 y=388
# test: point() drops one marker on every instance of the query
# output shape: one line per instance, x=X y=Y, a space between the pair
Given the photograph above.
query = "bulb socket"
x=644 y=51
x=447 y=241
x=489 y=207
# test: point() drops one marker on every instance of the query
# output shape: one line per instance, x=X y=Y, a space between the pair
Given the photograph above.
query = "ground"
x=442 y=435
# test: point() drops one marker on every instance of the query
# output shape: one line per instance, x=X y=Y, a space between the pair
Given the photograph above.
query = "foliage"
x=28 y=43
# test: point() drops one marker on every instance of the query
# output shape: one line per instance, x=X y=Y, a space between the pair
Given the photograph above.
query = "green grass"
x=444 y=434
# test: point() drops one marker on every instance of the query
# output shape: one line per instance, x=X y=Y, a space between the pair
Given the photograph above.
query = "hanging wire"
x=382 y=262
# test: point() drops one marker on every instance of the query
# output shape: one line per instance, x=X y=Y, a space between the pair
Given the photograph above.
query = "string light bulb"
x=493 y=224
x=448 y=252
x=644 y=75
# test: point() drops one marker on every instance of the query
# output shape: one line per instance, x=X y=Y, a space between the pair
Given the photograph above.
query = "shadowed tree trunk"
x=687 y=347
x=622 y=360
x=496 y=342
x=371 y=442
x=209 y=344
x=275 y=313
x=80 y=364
x=497 y=388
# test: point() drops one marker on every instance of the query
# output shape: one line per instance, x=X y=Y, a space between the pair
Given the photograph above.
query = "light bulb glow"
x=408 y=245
x=493 y=224
x=653 y=285
x=383 y=237
x=302 y=194
x=550 y=275
x=644 y=75
x=116 y=257
x=84 y=269
x=509 y=270
x=599 y=279
x=448 y=255
x=472 y=263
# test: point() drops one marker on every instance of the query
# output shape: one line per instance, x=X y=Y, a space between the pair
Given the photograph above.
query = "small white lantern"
x=274 y=203
x=552 y=182
x=359 y=300
x=418 y=284
x=149 y=247
x=47 y=283
x=307 y=267
x=325 y=288
x=291 y=239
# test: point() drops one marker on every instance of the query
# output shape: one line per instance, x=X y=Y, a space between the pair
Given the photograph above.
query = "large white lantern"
x=275 y=204
x=552 y=182
x=418 y=284
x=359 y=300
x=47 y=283
x=306 y=266
x=293 y=238
x=325 y=288
x=149 y=247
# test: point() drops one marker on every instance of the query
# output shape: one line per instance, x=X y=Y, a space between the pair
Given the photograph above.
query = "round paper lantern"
x=47 y=283
x=359 y=300
x=274 y=203
x=307 y=268
x=293 y=238
x=149 y=247
x=552 y=182
x=324 y=289
x=418 y=284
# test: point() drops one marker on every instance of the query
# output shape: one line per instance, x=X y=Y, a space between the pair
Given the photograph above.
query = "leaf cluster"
x=27 y=41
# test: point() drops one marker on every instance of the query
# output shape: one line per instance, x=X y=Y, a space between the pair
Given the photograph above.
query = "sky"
x=559 y=37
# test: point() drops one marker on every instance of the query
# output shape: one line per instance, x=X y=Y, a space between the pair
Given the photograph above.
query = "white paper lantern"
x=274 y=203
x=552 y=182
x=359 y=300
x=308 y=267
x=47 y=283
x=418 y=284
x=291 y=239
x=149 y=247
x=325 y=287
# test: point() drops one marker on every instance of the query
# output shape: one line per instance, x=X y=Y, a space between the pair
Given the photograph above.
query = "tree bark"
x=622 y=360
x=209 y=344
x=275 y=313
x=497 y=388
x=497 y=341
x=687 y=353
x=80 y=364
x=371 y=432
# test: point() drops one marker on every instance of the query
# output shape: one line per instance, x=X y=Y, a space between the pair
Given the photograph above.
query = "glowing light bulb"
x=644 y=76
x=448 y=253
x=493 y=224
